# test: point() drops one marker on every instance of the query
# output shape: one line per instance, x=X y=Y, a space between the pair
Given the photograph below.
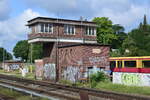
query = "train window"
x=112 y=64
x=119 y=64
x=130 y=63
x=146 y=64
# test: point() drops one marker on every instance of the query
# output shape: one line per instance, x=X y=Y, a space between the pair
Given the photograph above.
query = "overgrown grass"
x=123 y=88
x=16 y=73
x=17 y=95
x=100 y=81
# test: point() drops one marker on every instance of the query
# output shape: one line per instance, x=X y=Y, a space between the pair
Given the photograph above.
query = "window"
x=119 y=64
x=112 y=64
x=146 y=64
x=130 y=63
x=46 y=28
x=69 y=29
x=50 y=28
x=90 y=31
x=42 y=28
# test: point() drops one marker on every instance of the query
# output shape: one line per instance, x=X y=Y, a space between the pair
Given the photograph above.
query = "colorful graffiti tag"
x=136 y=79
x=14 y=66
x=49 y=71
x=39 y=72
x=130 y=79
x=71 y=73
x=102 y=60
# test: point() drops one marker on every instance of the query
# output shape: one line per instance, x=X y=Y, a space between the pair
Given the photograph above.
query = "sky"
x=14 y=14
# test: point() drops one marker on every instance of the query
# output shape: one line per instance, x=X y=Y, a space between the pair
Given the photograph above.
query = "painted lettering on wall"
x=14 y=66
x=97 y=59
x=130 y=79
x=9 y=67
x=137 y=79
x=39 y=71
x=49 y=71
x=71 y=73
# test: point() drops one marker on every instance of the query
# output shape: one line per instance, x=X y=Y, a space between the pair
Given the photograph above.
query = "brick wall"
x=59 y=29
x=74 y=61
x=84 y=55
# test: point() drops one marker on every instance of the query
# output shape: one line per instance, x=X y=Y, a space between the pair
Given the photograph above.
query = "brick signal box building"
x=70 y=49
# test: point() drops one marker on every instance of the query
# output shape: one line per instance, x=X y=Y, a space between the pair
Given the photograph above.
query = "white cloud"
x=125 y=12
x=129 y=18
x=14 y=29
x=4 y=9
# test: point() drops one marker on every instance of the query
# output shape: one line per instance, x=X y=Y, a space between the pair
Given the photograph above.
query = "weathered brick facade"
x=68 y=56
x=80 y=58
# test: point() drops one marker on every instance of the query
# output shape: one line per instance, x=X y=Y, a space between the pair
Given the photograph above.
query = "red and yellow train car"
x=130 y=64
x=131 y=70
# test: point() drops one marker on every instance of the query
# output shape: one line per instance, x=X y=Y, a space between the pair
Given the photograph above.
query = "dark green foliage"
x=105 y=33
x=7 y=55
x=118 y=30
x=23 y=50
x=137 y=42
x=37 y=51
x=98 y=77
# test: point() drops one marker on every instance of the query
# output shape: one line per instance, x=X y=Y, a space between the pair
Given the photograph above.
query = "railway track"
x=5 y=97
x=65 y=91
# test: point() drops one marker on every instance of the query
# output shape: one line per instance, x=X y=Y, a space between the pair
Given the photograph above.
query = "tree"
x=105 y=33
x=120 y=34
x=37 y=52
x=7 y=55
x=21 y=50
x=137 y=43
x=138 y=39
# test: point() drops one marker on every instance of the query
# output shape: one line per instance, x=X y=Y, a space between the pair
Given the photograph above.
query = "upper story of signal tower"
x=44 y=29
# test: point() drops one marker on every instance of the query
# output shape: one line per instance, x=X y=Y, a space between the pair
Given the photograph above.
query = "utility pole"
x=57 y=53
x=31 y=53
x=3 y=57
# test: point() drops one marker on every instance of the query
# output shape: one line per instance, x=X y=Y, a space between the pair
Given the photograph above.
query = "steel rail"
x=91 y=92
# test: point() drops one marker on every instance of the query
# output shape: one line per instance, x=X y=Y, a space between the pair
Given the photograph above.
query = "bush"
x=66 y=82
x=98 y=77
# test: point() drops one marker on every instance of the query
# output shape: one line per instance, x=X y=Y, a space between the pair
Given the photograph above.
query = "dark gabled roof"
x=82 y=44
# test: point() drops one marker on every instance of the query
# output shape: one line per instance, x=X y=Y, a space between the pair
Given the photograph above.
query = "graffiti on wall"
x=9 y=67
x=137 y=79
x=130 y=79
x=39 y=71
x=97 y=59
x=49 y=71
x=14 y=66
x=71 y=73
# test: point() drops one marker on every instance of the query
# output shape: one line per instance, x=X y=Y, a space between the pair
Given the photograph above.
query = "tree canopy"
x=22 y=50
x=138 y=39
x=105 y=33
x=135 y=43
x=7 y=55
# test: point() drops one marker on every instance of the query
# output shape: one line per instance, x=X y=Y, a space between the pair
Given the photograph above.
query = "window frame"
x=50 y=26
x=90 y=31
x=69 y=29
